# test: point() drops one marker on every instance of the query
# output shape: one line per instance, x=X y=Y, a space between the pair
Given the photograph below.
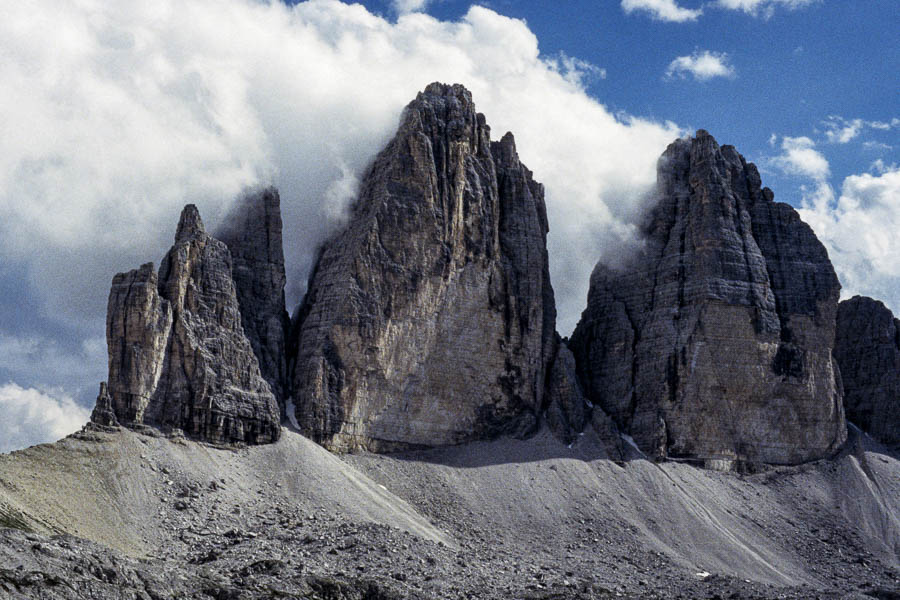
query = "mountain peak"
x=190 y=225
x=725 y=325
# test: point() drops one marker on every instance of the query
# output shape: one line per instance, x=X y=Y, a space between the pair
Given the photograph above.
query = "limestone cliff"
x=429 y=319
x=867 y=348
x=253 y=233
x=714 y=341
x=178 y=356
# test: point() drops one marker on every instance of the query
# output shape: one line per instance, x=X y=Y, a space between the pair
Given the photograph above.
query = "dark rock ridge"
x=178 y=356
x=569 y=411
x=430 y=319
x=867 y=348
x=252 y=231
x=714 y=341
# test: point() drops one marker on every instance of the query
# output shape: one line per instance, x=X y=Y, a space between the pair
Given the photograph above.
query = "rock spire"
x=253 y=233
x=430 y=319
x=178 y=356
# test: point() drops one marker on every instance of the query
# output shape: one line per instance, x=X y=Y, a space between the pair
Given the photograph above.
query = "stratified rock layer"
x=178 y=356
x=867 y=348
x=252 y=232
x=430 y=319
x=714 y=341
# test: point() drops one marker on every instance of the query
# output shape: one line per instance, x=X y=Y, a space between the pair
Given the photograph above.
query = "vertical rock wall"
x=714 y=341
x=253 y=233
x=430 y=319
x=867 y=348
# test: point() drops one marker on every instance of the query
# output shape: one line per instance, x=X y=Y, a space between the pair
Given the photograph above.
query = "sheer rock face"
x=867 y=348
x=568 y=410
x=178 y=356
x=714 y=341
x=430 y=319
x=252 y=231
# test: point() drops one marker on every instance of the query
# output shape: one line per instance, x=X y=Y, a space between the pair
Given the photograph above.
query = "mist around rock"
x=419 y=429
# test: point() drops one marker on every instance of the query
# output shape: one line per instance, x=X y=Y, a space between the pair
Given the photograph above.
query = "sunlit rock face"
x=714 y=341
x=429 y=319
x=867 y=348
x=178 y=355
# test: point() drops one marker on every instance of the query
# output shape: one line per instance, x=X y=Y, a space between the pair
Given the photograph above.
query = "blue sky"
x=793 y=68
x=117 y=114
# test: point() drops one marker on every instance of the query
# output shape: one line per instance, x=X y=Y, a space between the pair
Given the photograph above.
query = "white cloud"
x=663 y=10
x=800 y=157
x=409 y=6
x=839 y=130
x=765 y=8
x=877 y=146
x=116 y=114
x=858 y=227
x=701 y=65
x=860 y=232
x=30 y=416
x=576 y=71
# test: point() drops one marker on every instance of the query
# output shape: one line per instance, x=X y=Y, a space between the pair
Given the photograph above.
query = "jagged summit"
x=190 y=225
x=430 y=319
x=716 y=342
x=178 y=356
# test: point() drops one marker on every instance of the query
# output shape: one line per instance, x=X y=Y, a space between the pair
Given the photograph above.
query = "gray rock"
x=430 y=319
x=867 y=348
x=569 y=411
x=252 y=231
x=567 y=408
x=714 y=341
x=104 y=413
x=178 y=356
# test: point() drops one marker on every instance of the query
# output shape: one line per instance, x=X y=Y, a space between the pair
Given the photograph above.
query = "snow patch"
x=291 y=411
x=631 y=442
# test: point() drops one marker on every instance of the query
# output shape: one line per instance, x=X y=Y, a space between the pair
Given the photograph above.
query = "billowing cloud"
x=800 y=157
x=30 y=416
x=116 y=114
x=702 y=66
x=765 y=8
x=858 y=226
x=663 y=10
x=860 y=231
x=33 y=358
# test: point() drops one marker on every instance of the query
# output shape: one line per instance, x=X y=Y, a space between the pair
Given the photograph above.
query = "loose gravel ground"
x=128 y=515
